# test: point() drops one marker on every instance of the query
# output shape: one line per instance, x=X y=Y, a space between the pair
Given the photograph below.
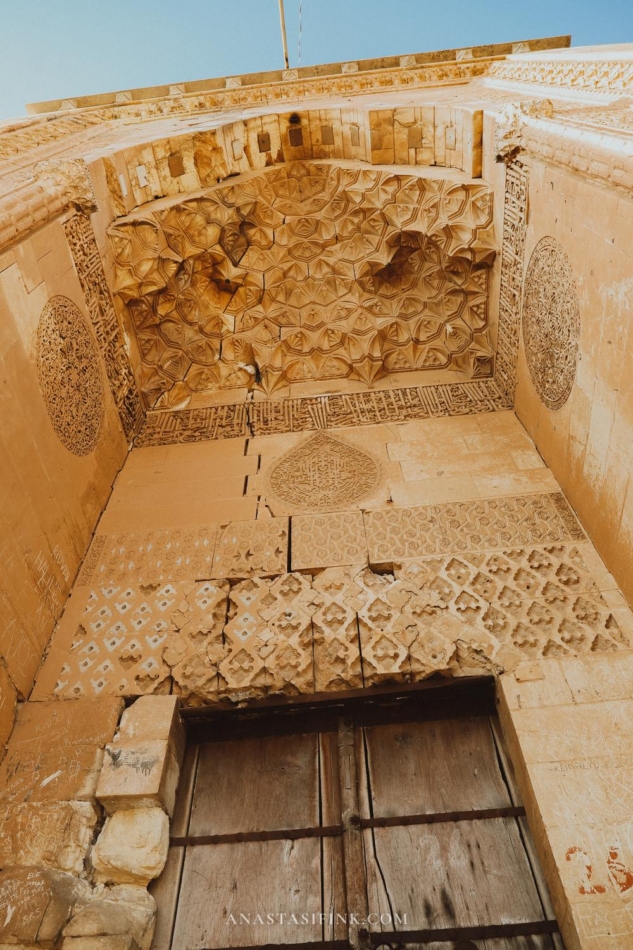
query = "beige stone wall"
x=588 y=442
x=304 y=562
x=52 y=495
x=568 y=725
x=375 y=539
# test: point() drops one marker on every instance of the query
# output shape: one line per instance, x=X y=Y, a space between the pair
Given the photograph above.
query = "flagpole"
x=282 y=20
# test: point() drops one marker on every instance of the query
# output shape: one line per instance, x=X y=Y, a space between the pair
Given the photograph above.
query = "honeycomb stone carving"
x=70 y=375
x=268 y=638
x=309 y=271
x=323 y=472
x=551 y=323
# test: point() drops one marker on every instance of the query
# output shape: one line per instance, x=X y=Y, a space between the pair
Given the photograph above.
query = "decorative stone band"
x=320 y=412
x=55 y=186
x=607 y=77
x=512 y=260
x=429 y=74
x=303 y=74
x=145 y=618
x=110 y=338
x=345 y=627
x=596 y=146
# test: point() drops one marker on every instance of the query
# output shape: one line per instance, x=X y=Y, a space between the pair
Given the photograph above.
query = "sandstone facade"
x=355 y=344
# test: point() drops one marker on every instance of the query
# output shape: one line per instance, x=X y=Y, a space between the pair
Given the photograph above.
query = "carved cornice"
x=600 y=152
x=606 y=78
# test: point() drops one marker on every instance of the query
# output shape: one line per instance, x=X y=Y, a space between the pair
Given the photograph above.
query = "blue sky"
x=55 y=48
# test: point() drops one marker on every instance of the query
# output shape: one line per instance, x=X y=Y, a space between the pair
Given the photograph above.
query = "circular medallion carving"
x=69 y=375
x=551 y=323
x=324 y=472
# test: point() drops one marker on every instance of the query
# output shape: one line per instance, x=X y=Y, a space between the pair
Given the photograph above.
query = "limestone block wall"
x=587 y=439
x=61 y=442
x=87 y=791
x=305 y=562
x=568 y=726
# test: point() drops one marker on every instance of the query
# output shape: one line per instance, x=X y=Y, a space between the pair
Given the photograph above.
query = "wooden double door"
x=391 y=822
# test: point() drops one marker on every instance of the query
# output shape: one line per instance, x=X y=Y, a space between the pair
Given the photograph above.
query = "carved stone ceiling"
x=309 y=271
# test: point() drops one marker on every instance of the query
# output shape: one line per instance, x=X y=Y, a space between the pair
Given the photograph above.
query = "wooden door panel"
x=257 y=877
x=438 y=766
x=466 y=873
x=164 y=890
x=265 y=784
x=329 y=775
x=334 y=901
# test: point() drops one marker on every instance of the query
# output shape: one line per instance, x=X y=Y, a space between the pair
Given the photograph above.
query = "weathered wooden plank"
x=256 y=785
x=184 y=797
x=165 y=890
x=329 y=772
x=354 y=860
x=334 y=903
x=528 y=840
x=439 y=766
x=222 y=882
x=468 y=874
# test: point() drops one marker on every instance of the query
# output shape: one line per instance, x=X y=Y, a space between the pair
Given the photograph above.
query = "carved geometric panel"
x=323 y=472
x=399 y=533
x=70 y=375
x=116 y=646
x=538 y=601
x=118 y=642
x=150 y=557
x=308 y=271
x=248 y=548
x=268 y=638
x=551 y=323
x=470 y=612
x=328 y=540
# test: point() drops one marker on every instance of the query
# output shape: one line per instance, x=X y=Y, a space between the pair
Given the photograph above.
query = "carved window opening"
x=384 y=821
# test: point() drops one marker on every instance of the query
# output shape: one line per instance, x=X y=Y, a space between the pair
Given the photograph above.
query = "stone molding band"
x=302 y=414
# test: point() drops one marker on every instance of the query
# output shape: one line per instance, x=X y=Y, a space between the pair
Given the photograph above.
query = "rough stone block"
x=132 y=847
x=154 y=717
x=121 y=910
x=55 y=750
x=35 y=904
x=57 y=834
x=138 y=774
x=114 y=942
